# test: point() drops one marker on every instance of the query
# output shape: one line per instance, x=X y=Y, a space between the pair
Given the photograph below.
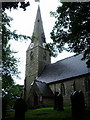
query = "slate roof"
x=63 y=69
x=44 y=89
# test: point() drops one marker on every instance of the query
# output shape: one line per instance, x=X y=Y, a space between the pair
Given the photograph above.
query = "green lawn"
x=49 y=114
x=46 y=114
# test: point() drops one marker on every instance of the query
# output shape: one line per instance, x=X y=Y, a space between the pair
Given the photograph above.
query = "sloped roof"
x=63 y=69
x=44 y=89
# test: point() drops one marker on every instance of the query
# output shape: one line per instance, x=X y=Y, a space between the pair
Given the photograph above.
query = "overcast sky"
x=23 y=22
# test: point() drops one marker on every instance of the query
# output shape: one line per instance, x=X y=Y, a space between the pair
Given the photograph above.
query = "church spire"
x=38 y=37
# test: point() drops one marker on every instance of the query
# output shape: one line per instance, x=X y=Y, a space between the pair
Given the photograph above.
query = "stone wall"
x=42 y=101
x=48 y=102
x=70 y=85
x=36 y=59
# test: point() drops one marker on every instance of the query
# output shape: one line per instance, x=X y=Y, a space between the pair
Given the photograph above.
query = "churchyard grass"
x=45 y=114
x=49 y=114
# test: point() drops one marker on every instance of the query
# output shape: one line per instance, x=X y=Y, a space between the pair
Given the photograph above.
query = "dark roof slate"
x=44 y=89
x=63 y=69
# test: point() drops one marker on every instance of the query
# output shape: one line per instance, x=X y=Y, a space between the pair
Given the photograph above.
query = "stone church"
x=43 y=79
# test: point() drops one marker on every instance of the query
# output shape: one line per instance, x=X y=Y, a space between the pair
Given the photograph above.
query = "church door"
x=35 y=99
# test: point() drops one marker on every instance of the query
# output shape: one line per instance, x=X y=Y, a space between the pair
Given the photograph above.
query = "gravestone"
x=60 y=102
x=78 y=105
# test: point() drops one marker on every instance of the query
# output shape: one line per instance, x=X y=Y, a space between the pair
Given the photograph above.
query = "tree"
x=14 y=92
x=9 y=62
x=72 y=28
x=15 y=5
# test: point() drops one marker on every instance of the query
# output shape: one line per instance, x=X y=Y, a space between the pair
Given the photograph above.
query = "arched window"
x=31 y=55
x=74 y=86
x=54 y=88
x=35 y=99
x=87 y=84
x=62 y=89
x=45 y=56
x=25 y=84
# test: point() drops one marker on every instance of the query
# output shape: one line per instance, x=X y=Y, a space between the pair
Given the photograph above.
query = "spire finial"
x=37 y=0
x=38 y=32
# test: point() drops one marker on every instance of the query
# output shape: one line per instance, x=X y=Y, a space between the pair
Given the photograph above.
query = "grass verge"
x=45 y=114
x=49 y=114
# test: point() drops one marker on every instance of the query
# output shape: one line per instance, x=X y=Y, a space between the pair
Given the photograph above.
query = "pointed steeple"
x=38 y=37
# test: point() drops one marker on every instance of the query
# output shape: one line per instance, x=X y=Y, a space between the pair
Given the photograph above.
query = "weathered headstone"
x=20 y=109
x=78 y=105
x=60 y=102
x=56 y=100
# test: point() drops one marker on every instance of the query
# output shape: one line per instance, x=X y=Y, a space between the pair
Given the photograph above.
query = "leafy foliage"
x=72 y=28
x=13 y=92
x=10 y=67
x=9 y=5
x=9 y=62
